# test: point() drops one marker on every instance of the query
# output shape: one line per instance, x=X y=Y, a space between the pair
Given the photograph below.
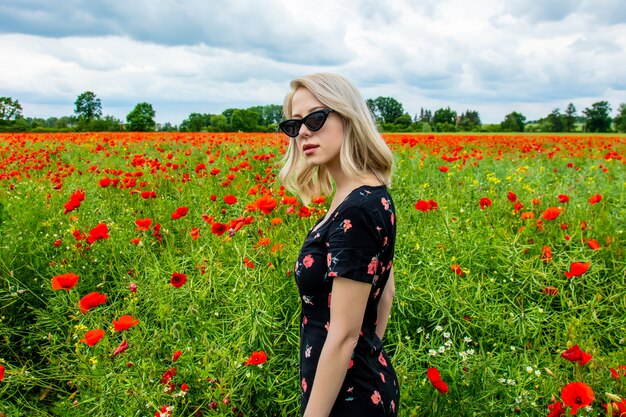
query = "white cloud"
x=487 y=55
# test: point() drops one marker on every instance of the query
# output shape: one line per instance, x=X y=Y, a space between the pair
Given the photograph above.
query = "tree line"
x=388 y=112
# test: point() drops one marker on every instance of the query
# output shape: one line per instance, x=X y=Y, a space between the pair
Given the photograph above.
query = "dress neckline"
x=321 y=222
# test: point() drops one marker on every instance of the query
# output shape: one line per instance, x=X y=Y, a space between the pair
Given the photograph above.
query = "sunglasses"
x=313 y=121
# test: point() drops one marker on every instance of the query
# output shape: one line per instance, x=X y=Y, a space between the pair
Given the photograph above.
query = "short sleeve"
x=354 y=245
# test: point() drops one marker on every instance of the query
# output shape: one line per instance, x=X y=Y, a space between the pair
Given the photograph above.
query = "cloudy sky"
x=185 y=56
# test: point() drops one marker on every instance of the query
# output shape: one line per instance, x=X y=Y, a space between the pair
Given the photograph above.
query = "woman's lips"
x=309 y=149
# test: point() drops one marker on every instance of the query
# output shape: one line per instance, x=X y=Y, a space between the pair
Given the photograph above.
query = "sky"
x=204 y=56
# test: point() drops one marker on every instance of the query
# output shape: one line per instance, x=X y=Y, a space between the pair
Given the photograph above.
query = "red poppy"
x=546 y=254
x=230 y=199
x=218 y=228
x=422 y=205
x=1 y=372
x=257 y=358
x=104 y=182
x=618 y=409
x=444 y=168
x=176 y=355
x=266 y=204
x=71 y=205
x=556 y=409
x=484 y=203
x=121 y=348
x=148 y=194
x=101 y=231
x=595 y=199
x=563 y=198
x=180 y=212
x=143 y=224
x=527 y=215
x=64 y=282
x=621 y=371
x=577 y=269
x=319 y=200
x=92 y=337
x=551 y=291
x=593 y=244
x=551 y=213
x=512 y=197
x=575 y=354
x=178 y=279
x=435 y=379
x=91 y=300
x=124 y=323
x=457 y=269
x=577 y=395
x=195 y=233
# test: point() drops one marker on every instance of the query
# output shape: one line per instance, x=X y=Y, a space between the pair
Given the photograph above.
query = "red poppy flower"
x=563 y=198
x=551 y=213
x=230 y=199
x=124 y=323
x=422 y=205
x=148 y=194
x=257 y=358
x=621 y=371
x=218 y=228
x=71 y=205
x=457 y=269
x=435 y=379
x=577 y=395
x=546 y=254
x=104 y=182
x=517 y=207
x=143 y=224
x=176 y=355
x=444 y=168
x=180 y=212
x=101 y=231
x=91 y=300
x=266 y=204
x=595 y=199
x=484 y=203
x=92 y=337
x=617 y=409
x=1 y=372
x=178 y=279
x=593 y=244
x=319 y=200
x=575 y=354
x=512 y=197
x=577 y=269
x=195 y=233
x=556 y=409
x=64 y=282
x=121 y=348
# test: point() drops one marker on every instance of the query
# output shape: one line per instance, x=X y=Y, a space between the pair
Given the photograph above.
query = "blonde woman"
x=344 y=269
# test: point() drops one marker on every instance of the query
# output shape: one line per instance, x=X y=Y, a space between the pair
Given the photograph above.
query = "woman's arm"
x=384 y=306
x=347 y=308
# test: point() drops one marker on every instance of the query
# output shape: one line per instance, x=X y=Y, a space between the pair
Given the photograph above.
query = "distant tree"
x=597 y=117
x=469 y=121
x=620 y=119
x=196 y=122
x=219 y=123
x=106 y=124
x=385 y=109
x=403 y=121
x=245 y=120
x=425 y=116
x=88 y=107
x=229 y=114
x=513 y=122
x=168 y=127
x=269 y=114
x=444 y=120
x=554 y=122
x=9 y=109
x=569 y=118
x=141 y=118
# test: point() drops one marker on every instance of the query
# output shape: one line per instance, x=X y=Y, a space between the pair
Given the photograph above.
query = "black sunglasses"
x=314 y=121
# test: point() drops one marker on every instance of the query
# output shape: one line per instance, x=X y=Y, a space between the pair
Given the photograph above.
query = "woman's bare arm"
x=384 y=306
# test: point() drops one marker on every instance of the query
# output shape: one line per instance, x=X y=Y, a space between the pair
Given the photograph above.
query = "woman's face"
x=320 y=147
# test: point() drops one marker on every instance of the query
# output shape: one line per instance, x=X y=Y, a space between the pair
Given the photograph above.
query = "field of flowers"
x=151 y=275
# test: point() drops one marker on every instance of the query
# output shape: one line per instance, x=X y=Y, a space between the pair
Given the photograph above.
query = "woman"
x=344 y=370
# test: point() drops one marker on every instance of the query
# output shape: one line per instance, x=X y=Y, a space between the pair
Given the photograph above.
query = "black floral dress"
x=356 y=242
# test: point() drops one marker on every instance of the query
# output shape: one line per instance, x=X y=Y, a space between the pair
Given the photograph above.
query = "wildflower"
x=595 y=199
x=257 y=358
x=577 y=269
x=178 y=279
x=457 y=270
x=618 y=408
x=422 y=205
x=230 y=199
x=91 y=300
x=218 y=228
x=176 y=355
x=124 y=323
x=435 y=379
x=1 y=372
x=593 y=244
x=577 y=395
x=484 y=203
x=563 y=198
x=432 y=352
x=64 y=282
x=551 y=291
x=143 y=224
x=92 y=337
x=551 y=213
x=180 y=212
x=121 y=348
x=546 y=254
x=556 y=409
x=194 y=233
x=575 y=354
x=512 y=197
x=266 y=204
x=101 y=231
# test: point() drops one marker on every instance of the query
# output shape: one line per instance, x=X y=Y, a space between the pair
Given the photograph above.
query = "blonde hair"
x=362 y=150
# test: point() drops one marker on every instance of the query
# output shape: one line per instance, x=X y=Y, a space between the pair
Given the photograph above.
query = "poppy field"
x=152 y=275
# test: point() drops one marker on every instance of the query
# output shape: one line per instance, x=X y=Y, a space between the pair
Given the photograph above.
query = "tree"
x=196 y=122
x=88 y=107
x=597 y=117
x=554 y=122
x=620 y=119
x=9 y=109
x=403 y=121
x=569 y=118
x=219 y=123
x=269 y=114
x=141 y=118
x=513 y=122
x=245 y=120
x=385 y=109
x=469 y=121
x=444 y=120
